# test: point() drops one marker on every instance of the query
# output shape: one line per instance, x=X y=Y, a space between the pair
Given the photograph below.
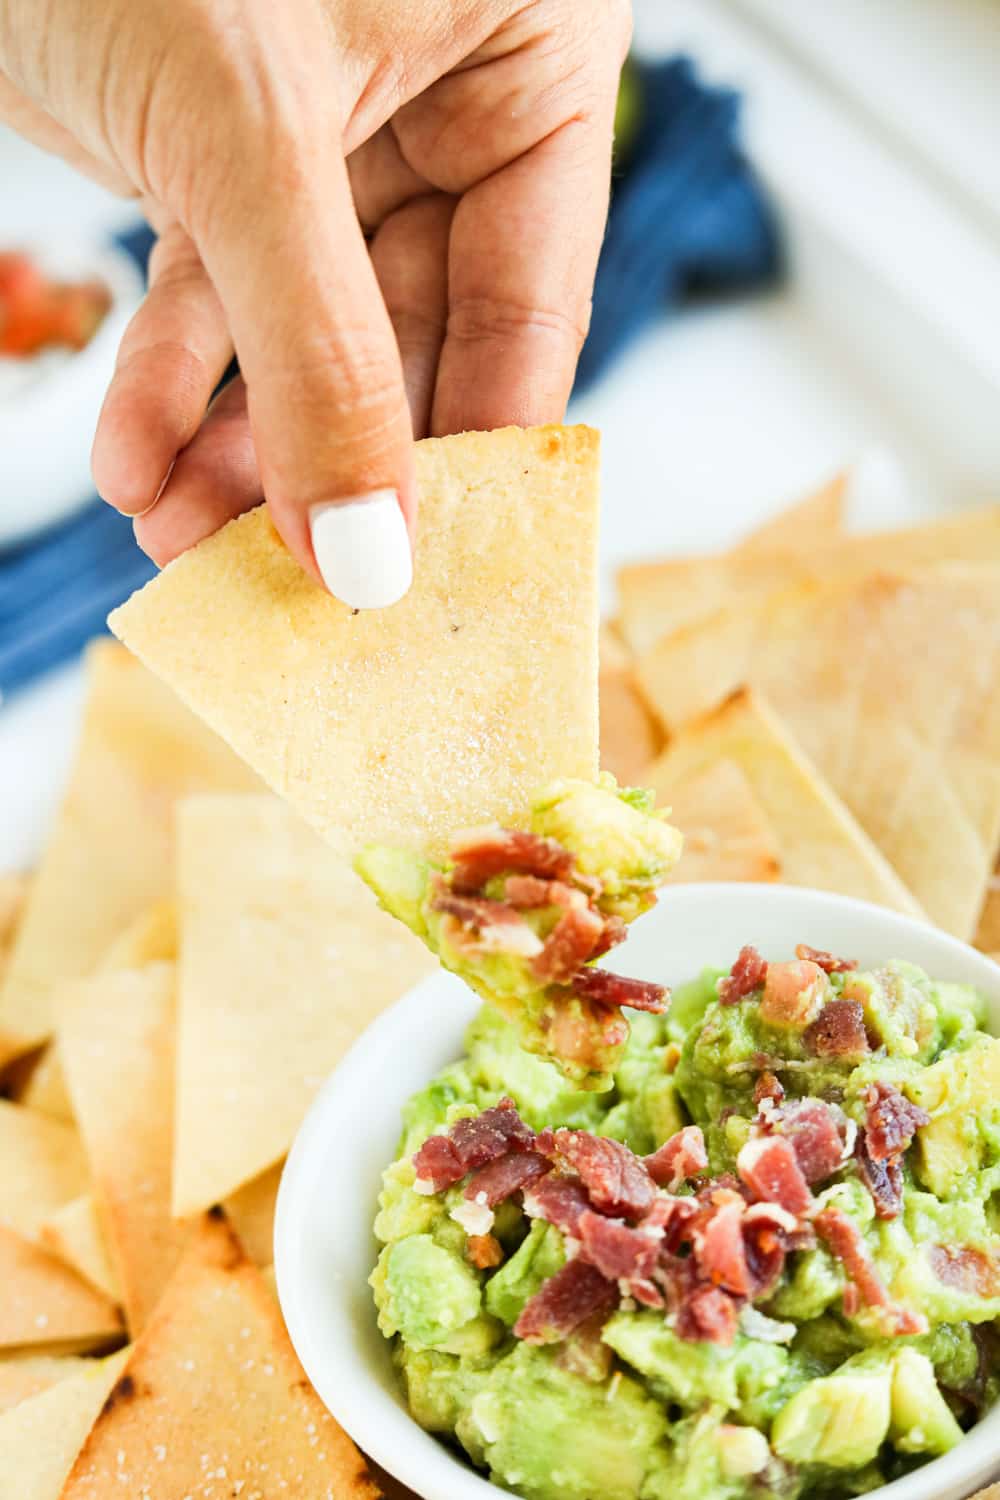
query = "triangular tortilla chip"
x=821 y=844
x=659 y=598
x=727 y=834
x=150 y=936
x=74 y=1233
x=45 y=1089
x=13 y=894
x=890 y=685
x=285 y=958
x=25 y=1375
x=116 y=1040
x=213 y=1390
x=988 y=931
x=40 y=1438
x=630 y=737
x=447 y=710
x=44 y=1302
x=110 y=856
x=250 y=1210
x=812 y=522
x=42 y=1166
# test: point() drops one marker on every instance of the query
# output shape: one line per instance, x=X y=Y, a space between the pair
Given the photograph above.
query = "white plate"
x=324 y=1247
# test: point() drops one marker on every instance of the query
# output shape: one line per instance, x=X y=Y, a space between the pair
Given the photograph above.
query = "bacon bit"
x=747 y=974
x=564 y=1302
x=965 y=1269
x=559 y=1199
x=528 y=892
x=681 y=1157
x=445 y=1159
x=487 y=926
x=768 y=1087
x=826 y=961
x=793 y=993
x=720 y=1251
x=812 y=1128
x=615 y=1179
x=484 y=852
x=484 y=1251
x=581 y=1031
x=838 y=1031
x=769 y=1167
x=883 y=1179
x=769 y=1232
x=569 y=945
x=618 y=1252
x=502 y=1178
x=437 y=1163
x=708 y=1315
x=891 y=1121
x=615 y=932
x=843 y=1237
x=614 y=989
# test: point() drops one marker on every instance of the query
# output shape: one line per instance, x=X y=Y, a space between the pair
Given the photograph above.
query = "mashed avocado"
x=813 y=1154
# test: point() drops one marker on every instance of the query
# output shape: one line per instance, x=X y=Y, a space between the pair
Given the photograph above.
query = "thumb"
x=326 y=398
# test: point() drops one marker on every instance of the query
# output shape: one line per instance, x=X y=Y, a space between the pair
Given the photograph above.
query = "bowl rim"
x=357 y=1399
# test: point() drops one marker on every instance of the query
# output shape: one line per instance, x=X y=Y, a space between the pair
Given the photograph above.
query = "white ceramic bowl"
x=324 y=1247
x=47 y=423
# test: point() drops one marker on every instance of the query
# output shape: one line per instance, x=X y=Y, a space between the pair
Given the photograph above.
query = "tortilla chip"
x=630 y=737
x=42 y=1166
x=727 y=835
x=74 y=1233
x=150 y=936
x=43 y=1302
x=821 y=844
x=45 y=1089
x=659 y=598
x=391 y=1488
x=285 y=958
x=889 y=683
x=988 y=931
x=13 y=894
x=213 y=1390
x=447 y=710
x=250 y=1210
x=25 y=1375
x=111 y=854
x=121 y=1027
x=40 y=1439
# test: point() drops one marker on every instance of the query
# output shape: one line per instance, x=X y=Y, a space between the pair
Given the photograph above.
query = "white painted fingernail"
x=362 y=549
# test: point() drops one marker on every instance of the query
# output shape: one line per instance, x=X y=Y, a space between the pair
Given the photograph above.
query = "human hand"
x=469 y=141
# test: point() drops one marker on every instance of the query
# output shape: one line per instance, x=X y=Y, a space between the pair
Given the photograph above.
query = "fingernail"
x=362 y=549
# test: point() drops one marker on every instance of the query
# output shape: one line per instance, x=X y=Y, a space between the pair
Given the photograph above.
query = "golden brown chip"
x=213 y=1391
x=74 y=1233
x=45 y=1303
x=727 y=834
x=111 y=852
x=445 y=711
x=285 y=959
x=150 y=936
x=889 y=685
x=45 y=1089
x=250 y=1210
x=42 y=1166
x=13 y=894
x=813 y=522
x=25 y=1375
x=821 y=844
x=629 y=735
x=116 y=1040
x=40 y=1438
x=988 y=931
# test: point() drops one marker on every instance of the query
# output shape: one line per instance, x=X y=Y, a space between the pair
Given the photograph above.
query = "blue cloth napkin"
x=687 y=218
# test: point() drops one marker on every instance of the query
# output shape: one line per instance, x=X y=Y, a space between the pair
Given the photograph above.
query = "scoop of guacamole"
x=523 y=914
x=766 y=1261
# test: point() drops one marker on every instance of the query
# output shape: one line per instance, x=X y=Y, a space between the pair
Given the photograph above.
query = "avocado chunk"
x=399 y=880
x=961 y=1093
x=921 y=1420
x=538 y=1257
x=431 y=1294
x=840 y=1420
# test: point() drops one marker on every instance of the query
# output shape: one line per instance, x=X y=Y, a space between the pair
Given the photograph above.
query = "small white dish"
x=47 y=421
x=324 y=1247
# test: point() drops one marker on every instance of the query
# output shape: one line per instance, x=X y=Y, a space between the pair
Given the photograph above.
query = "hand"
x=468 y=142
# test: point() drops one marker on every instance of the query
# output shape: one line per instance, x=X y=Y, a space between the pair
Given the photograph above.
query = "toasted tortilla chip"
x=988 y=931
x=25 y=1375
x=447 y=710
x=74 y=1233
x=45 y=1089
x=150 y=936
x=42 y=1166
x=13 y=894
x=659 y=598
x=250 y=1210
x=121 y=1027
x=727 y=834
x=213 y=1390
x=889 y=684
x=821 y=844
x=111 y=854
x=814 y=521
x=285 y=958
x=40 y=1438
x=45 y=1303
x=630 y=738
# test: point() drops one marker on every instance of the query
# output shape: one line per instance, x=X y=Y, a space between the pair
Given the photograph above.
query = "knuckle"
x=489 y=320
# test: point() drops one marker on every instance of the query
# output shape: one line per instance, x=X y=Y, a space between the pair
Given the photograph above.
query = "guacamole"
x=522 y=914
x=765 y=1261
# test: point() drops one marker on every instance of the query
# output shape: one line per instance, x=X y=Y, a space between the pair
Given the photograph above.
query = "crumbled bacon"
x=826 y=961
x=709 y=1314
x=768 y=1234
x=768 y=1086
x=614 y=1177
x=619 y=1252
x=615 y=932
x=838 y=1031
x=470 y=1143
x=569 y=945
x=966 y=1269
x=485 y=852
x=747 y=974
x=604 y=988
x=890 y=1121
x=681 y=1157
x=719 y=1248
x=562 y=1303
x=502 y=1178
x=883 y=1179
x=486 y=926
x=793 y=993
x=843 y=1237
x=558 y=1198
x=484 y=1251
x=813 y=1129
x=769 y=1167
x=582 y=1032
